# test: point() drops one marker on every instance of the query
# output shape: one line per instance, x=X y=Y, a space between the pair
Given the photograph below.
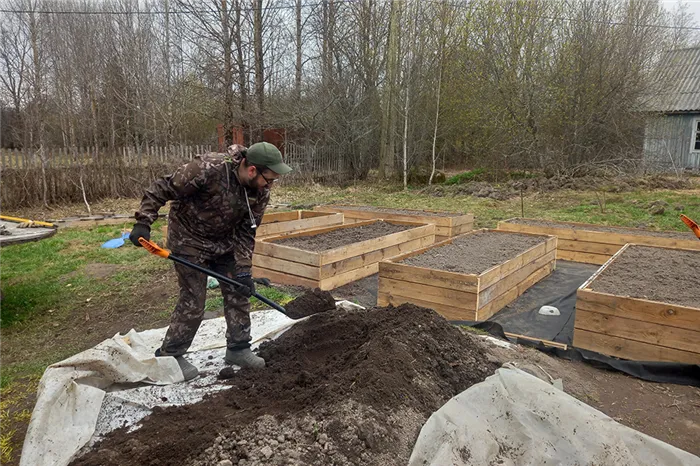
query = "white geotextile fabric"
x=514 y=418
x=73 y=394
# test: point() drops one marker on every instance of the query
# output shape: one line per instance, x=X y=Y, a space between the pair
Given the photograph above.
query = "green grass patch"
x=471 y=175
x=48 y=274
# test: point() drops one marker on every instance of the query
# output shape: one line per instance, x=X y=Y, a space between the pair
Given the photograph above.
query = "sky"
x=693 y=7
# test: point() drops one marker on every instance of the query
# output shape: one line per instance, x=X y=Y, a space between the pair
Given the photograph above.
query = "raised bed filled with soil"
x=595 y=244
x=643 y=305
x=447 y=224
x=296 y=221
x=469 y=277
x=327 y=258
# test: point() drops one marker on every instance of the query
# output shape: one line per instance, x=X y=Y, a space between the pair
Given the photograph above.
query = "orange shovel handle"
x=692 y=225
x=153 y=248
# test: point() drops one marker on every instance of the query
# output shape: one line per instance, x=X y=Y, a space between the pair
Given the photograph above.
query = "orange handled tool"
x=692 y=225
x=153 y=248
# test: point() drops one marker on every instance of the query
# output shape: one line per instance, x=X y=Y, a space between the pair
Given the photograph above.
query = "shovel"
x=158 y=251
x=692 y=225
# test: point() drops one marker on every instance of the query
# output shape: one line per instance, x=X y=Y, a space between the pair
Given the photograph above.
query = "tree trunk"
x=259 y=70
x=297 y=77
x=228 y=73
x=388 y=136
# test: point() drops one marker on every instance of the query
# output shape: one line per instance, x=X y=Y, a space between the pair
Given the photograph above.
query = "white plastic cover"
x=514 y=418
x=71 y=392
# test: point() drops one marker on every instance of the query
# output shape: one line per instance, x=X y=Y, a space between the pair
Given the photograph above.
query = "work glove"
x=248 y=288
x=140 y=230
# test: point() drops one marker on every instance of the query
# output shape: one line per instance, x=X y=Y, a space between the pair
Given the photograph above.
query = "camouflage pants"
x=189 y=310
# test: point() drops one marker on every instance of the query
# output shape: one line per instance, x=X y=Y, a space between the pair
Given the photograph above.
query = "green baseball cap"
x=267 y=155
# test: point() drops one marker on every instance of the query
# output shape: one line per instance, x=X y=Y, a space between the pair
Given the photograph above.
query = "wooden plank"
x=288 y=267
x=454 y=298
x=432 y=277
x=312 y=214
x=280 y=217
x=463 y=228
x=630 y=349
x=509 y=296
x=288 y=253
x=335 y=268
x=605 y=237
x=349 y=276
x=488 y=294
x=443 y=231
x=354 y=249
x=497 y=272
x=448 y=312
x=412 y=217
x=585 y=246
x=584 y=257
x=638 y=309
x=549 y=343
x=283 y=278
x=296 y=226
x=656 y=334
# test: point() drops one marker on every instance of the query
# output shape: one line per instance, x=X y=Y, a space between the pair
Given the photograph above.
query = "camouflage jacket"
x=208 y=216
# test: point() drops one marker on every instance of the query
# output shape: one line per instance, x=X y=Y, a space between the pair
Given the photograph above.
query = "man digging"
x=217 y=202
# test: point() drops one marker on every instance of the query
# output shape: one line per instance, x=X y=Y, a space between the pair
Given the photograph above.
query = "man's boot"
x=189 y=371
x=244 y=358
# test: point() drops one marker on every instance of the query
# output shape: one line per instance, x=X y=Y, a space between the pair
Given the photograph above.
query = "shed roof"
x=680 y=82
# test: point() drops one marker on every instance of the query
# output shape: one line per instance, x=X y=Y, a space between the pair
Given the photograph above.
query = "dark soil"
x=475 y=253
x=656 y=274
x=342 y=237
x=621 y=230
x=340 y=388
x=400 y=211
x=311 y=302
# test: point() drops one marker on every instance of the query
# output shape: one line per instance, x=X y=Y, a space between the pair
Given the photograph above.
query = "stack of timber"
x=448 y=224
x=459 y=296
x=334 y=267
x=595 y=244
x=635 y=328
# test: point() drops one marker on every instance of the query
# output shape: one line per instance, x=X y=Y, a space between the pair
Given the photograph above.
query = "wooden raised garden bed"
x=595 y=244
x=346 y=257
x=643 y=305
x=448 y=224
x=296 y=221
x=500 y=266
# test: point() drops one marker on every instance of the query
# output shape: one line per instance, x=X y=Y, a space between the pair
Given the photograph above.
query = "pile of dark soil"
x=605 y=228
x=342 y=237
x=422 y=213
x=311 y=302
x=656 y=274
x=475 y=253
x=340 y=388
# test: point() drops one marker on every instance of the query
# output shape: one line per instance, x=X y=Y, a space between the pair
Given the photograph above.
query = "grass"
x=471 y=175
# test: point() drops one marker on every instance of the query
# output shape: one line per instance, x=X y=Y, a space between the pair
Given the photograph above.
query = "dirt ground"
x=312 y=302
x=633 y=231
x=484 y=250
x=337 y=238
x=344 y=387
x=657 y=274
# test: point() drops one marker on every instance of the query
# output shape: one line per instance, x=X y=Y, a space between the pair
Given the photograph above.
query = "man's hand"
x=140 y=230
x=246 y=279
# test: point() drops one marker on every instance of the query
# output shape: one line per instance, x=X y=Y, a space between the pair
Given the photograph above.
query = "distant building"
x=672 y=135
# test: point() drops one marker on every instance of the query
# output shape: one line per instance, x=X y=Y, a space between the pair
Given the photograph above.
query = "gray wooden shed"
x=672 y=133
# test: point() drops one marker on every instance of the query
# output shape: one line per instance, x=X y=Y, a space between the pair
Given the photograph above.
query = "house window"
x=696 y=136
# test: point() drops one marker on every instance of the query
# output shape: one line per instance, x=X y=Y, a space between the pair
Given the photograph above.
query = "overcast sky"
x=693 y=7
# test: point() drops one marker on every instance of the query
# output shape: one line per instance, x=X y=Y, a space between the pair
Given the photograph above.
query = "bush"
x=471 y=175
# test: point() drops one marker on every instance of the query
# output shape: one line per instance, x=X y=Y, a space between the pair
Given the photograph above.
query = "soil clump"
x=311 y=302
x=604 y=228
x=656 y=274
x=342 y=237
x=475 y=253
x=343 y=387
